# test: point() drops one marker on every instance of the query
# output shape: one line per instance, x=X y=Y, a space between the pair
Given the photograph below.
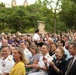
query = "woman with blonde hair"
x=20 y=62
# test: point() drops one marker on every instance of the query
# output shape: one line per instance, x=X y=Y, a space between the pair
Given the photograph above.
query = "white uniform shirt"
x=36 y=37
x=27 y=53
x=7 y=64
x=0 y=65
x=41 y=62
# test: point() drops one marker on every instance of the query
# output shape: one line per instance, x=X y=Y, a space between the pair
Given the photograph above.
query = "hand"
x=37 y=67
x=34 y=65
x=45 y=61
x=26 y=65
x=52 y=64
x=54 y=67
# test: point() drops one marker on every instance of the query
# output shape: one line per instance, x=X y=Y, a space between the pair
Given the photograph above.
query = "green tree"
x=68 y=13
x=2 y=5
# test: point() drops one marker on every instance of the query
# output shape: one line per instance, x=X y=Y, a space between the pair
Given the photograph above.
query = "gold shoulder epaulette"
x=9 y=59
x=49 y=56
x=1 y=57
x=26 y=51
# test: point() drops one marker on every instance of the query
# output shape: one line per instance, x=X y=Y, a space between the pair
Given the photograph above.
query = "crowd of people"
x=38 y=54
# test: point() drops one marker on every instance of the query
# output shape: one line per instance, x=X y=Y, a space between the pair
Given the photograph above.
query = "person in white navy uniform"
x=7 y=61
x=26 y=51
x=43 y=61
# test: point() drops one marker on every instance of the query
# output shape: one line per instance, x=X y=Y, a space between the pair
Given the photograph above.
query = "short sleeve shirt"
x=7 y=64
x=18 y=69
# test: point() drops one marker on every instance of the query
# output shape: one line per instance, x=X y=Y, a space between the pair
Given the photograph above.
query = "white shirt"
x=67 y=53
x=0 y=65
x=41 y=62
x=36 y=37
x=0 y=44
x=27 y=53
x=7 y=64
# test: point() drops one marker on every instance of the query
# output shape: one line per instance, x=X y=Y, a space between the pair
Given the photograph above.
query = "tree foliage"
x=68 y=13
x=25 y=19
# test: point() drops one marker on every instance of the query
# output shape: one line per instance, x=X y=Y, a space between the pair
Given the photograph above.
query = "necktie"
x=69 y=66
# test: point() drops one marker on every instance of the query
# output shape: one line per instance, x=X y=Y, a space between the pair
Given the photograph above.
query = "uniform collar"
x=46 y=56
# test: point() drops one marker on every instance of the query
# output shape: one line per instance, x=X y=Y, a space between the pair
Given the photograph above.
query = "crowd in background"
x=38 y=54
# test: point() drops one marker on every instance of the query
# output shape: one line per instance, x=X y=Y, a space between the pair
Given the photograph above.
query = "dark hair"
x=48 y=47
x=40 y=44
x=66 y=36
x=36 y=30
x=55 y=45
x=62 y=41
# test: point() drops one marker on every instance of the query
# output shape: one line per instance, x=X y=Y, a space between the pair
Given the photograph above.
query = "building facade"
x=10 y=3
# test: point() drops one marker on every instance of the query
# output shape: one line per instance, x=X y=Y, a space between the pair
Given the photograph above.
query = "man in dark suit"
x=71 y=67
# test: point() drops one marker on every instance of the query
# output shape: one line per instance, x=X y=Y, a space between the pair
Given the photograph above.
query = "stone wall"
x=41 y=27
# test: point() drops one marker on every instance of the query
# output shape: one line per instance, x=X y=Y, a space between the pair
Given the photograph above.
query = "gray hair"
x=34 y=47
